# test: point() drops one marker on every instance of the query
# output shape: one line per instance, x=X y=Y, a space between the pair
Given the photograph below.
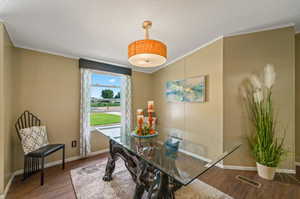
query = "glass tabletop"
x=173 y=156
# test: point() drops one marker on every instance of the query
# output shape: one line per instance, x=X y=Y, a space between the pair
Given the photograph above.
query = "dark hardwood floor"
x=58 y=183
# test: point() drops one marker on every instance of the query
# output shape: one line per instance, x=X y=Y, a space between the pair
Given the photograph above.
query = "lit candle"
x=139 y=111
x=150 y=106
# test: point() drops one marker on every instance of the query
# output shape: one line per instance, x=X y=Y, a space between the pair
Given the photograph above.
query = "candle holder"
x=150 y=120
x=140 y=122
x=145 y=126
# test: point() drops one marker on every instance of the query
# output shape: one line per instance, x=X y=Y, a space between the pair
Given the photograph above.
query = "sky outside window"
x=109 y=80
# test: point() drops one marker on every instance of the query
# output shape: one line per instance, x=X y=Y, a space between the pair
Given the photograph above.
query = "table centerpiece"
x=146 y=125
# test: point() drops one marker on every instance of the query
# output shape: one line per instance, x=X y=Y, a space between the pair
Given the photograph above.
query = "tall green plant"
x=267 y=149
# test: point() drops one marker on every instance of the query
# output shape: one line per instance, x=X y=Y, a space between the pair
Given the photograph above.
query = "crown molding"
x=255 y=30
x=187 y=54
x=150 y=71
x=77 y=57
x=47 y=52
x=226 y=35
x=141 y=70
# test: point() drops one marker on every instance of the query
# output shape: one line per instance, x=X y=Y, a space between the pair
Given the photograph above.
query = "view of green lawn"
x=104 y=119
x=104 y=104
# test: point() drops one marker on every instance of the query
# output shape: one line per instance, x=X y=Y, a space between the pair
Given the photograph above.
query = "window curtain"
x=85 y=109
x=126 y=101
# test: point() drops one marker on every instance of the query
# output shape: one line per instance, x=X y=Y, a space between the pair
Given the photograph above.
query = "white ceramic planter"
x=265 y=172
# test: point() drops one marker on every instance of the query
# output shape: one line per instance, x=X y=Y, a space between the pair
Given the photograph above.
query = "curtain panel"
x=126 y=104
x=85 y=109
x=87 y=67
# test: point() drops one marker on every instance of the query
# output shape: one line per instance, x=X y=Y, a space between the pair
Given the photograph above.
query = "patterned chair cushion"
x=33 y=138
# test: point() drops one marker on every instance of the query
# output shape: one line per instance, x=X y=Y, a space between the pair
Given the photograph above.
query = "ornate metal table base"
x=146 y=177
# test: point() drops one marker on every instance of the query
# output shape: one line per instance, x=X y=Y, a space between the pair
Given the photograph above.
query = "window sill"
x=95 y=128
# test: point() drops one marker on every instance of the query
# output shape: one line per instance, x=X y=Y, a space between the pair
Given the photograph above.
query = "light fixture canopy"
x=147 y=52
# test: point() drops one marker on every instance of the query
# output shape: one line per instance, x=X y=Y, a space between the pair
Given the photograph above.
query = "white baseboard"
x=242 y=168
x=289 y=171
x=98 y=152
x=232 y=167
x=3 y=195
x=54 y=163
x=220 y=165
x=201 y=158
x=245 y=168
x=50 y=164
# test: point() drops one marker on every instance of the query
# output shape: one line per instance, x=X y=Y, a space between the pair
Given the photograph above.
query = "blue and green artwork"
x=188 y=90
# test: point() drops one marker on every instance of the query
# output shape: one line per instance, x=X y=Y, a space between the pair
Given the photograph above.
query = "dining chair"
x=35 y=161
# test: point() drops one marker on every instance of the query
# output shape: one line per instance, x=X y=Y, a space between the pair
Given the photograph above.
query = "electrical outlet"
x=74 y=143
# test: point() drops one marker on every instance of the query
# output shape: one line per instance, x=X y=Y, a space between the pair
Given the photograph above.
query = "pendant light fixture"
x=147 y=52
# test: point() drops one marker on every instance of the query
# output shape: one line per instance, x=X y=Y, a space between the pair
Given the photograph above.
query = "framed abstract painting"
x=188 y=90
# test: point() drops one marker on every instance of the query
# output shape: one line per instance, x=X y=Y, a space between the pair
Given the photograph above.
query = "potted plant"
x=266 y=147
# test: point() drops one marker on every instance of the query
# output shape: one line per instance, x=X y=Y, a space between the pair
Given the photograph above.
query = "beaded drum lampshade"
x=147 y=52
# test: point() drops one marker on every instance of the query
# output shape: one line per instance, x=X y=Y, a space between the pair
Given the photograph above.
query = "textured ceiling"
x=102 y=30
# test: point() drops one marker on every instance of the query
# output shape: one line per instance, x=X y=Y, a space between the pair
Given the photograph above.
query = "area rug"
x=88 y=184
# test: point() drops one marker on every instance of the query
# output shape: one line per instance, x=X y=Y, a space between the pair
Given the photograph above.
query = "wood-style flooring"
x=58 y=183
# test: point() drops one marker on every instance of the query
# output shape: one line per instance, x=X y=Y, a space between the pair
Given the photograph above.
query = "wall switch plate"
x=74 y=143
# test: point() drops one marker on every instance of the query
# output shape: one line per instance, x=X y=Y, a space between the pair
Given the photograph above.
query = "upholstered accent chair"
x=34 y=156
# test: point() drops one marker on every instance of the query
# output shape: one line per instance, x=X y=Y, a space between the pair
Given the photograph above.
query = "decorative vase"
x=265 y=172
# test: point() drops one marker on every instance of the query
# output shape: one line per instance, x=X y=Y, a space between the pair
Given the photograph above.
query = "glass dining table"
x=160 y=166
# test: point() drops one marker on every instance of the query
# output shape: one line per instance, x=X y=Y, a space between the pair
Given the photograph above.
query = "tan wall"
x=6 y=106
x=2 y=105
x=297 y=64
x=200 y=122
x=49 y=86
x=221 y=121
x=246 y=54
x=142 y=91
x=98 y=141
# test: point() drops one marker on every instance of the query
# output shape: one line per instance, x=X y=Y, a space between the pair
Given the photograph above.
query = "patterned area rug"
x=88 y=184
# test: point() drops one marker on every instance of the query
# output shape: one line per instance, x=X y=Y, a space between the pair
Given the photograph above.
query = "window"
x=105 y=100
